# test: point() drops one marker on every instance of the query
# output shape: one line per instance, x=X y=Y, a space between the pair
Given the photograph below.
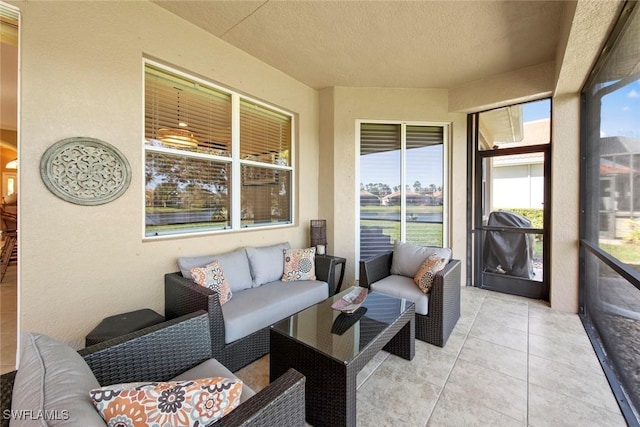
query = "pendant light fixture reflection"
x=180 y=136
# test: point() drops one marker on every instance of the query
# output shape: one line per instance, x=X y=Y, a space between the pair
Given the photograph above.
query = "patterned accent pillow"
x=212 y=277
x=299 y=264
x=428 y=270
x=184 y=403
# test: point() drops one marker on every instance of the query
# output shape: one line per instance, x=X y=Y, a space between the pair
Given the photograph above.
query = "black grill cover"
x=508 y=252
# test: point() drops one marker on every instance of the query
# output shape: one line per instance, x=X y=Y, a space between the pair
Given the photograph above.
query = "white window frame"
x=236 y=162
x=446 y=177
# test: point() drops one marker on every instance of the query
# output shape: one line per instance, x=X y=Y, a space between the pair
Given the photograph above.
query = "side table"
x=337 y=261
x=120 y=324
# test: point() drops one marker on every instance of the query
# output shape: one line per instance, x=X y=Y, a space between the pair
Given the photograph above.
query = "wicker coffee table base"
x=330 y=392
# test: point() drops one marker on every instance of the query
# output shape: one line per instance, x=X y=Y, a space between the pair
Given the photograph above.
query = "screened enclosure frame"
x=612 y=328
x=215 y=160
x=480 y=190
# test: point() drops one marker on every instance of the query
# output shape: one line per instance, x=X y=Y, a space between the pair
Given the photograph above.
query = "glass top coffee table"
x=330 y=348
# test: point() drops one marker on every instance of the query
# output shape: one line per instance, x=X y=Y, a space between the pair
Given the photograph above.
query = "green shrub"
x=534 y=215
x=634 y=234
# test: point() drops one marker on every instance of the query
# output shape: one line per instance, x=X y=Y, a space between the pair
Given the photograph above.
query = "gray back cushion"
x=267 y=263
x=53 y=377
x=235 y=266
x=188 y=262
x=407 y=257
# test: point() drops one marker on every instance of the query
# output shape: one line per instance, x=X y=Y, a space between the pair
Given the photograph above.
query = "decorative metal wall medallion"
x=85 y=171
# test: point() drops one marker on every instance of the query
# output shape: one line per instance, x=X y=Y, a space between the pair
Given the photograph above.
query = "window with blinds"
x=265 y=142
x=193 y=171
x=402 y=185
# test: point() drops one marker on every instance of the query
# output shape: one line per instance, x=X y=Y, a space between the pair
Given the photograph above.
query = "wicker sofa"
x=158 y=353
x=240 y=327
x=437 y=312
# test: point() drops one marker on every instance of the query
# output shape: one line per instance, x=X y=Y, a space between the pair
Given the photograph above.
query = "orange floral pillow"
x=299 y=264
x=428 y=270
x=212 y=277
x=176 y=403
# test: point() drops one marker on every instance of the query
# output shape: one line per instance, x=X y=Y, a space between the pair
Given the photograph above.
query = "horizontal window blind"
x=265 y=196
x=420 y=136
x=379 y=137
x=186 y=115
x=265 y=135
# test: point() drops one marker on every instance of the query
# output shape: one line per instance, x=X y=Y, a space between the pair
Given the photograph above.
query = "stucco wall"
x=565 y=170
x=82 y=75
x=352 y=104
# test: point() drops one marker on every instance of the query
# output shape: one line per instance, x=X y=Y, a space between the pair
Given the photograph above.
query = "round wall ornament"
x=85 y=171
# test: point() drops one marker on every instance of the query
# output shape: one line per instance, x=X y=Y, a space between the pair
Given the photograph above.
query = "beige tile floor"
x=8 y=320
x=510 y=361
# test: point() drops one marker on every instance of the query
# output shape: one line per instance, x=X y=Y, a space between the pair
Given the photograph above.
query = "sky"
x=620 y=115
x=423 y=164
x=536 y=110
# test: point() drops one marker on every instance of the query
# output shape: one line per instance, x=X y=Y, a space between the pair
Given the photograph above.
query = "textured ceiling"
x=411 y=44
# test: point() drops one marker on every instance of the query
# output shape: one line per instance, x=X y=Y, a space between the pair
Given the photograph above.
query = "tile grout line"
x=455 y=361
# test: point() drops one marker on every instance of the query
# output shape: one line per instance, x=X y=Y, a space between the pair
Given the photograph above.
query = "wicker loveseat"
x=240 y=327
x=158 y=353
x=437 y=312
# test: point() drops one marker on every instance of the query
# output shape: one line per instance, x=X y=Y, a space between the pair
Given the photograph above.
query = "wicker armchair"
x=444 y=297
x=183 y=296
x=163 y=351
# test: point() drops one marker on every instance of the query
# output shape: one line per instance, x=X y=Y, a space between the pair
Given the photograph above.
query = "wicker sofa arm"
x=281 y=403
x=375 y=268
x=6 y=387
x=444 y=297
x=156 y=353
x=325 y=271
x=183 y=296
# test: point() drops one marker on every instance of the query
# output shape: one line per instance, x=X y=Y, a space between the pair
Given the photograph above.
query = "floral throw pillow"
x=428 y=270
x=212 y=277
x=176 y=403
x=299 y=264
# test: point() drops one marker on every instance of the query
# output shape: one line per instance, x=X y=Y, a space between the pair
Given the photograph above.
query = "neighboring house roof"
x=367 y=195
x=609 y=167
x=396 y=194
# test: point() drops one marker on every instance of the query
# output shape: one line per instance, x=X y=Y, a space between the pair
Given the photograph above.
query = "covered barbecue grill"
x=508 y=252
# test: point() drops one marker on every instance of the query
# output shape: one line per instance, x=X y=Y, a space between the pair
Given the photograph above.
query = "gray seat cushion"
x=251 y=310
x=212 y=368
x=403 y=287
x=53 y=378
